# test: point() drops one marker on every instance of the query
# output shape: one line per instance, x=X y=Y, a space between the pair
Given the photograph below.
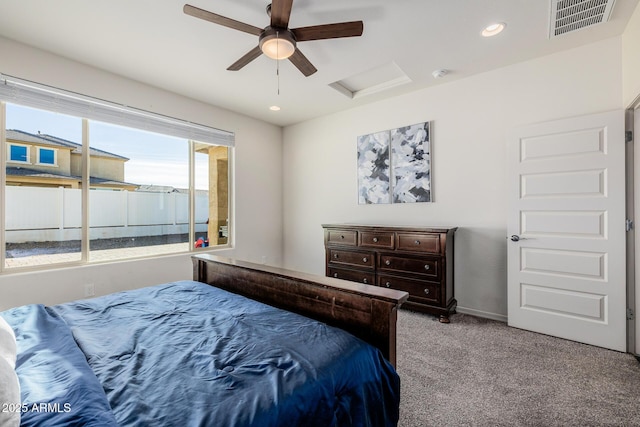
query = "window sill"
x=39 y=266
x=18 y=162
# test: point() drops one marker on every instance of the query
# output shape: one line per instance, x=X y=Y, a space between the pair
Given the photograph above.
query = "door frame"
x=630 y=164
x=632 y=115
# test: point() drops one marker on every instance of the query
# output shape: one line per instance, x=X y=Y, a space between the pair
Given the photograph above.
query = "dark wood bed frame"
x=368 y=312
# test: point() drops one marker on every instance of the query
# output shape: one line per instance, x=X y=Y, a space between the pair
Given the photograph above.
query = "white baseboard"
x=480 y=313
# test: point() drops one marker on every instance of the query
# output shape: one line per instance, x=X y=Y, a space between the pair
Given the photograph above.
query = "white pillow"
x=7 y=343
x=9 y=395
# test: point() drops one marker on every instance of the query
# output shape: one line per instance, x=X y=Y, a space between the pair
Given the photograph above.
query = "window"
x=151 y=215
x=160 y=190
x=46 y=156
x=43 y=214
x=19 y=153
x=212 y=190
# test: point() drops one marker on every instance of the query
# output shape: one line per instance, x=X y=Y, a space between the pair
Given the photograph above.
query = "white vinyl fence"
x=36 y=214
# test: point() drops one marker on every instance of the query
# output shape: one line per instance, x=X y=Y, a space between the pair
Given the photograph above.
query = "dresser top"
x=372 y=227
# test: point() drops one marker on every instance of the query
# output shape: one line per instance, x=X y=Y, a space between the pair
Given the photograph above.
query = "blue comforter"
x=188 y=354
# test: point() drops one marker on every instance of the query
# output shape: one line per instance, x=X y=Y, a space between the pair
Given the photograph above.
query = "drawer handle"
x=342 y=236
x=426 y=291
x=364 y=280
x=388 y=284
x=365 y=259
x=375 y=240
x=417 y=242
x=335 y=256
x=387 y=262
x=426 y=266
x=335 y=275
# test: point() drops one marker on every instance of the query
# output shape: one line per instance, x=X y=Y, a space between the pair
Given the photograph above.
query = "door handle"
x=516 y=238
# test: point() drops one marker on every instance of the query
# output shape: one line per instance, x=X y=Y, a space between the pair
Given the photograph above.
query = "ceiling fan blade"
x=280 y=13
x=221 y=20
x=302 y=63
x=248 y=57
x=328 y=31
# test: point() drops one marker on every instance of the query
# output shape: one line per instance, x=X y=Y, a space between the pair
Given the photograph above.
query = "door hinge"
x=630 y=314
x=628 y=224
x=628 y=136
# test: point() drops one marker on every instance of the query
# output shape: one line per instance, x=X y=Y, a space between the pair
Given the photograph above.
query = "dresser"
x=418 y=260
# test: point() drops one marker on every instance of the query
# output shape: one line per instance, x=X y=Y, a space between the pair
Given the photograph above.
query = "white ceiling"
x=156 y=43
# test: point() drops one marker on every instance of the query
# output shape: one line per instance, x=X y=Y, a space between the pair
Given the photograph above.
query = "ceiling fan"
x=277 y=40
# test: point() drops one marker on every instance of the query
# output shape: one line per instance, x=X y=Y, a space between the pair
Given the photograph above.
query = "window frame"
x=28 y=153
x=39 y=158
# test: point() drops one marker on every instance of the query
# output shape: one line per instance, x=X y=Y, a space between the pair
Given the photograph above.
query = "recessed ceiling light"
x=493 y=29
x=274 y=108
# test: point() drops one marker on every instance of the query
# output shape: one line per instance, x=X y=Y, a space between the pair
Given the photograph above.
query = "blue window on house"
x=18 y=153
x=47 y=156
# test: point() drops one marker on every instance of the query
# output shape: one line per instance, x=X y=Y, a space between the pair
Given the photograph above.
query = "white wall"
x=470 y=119
x=257 y=186
x=631 y=58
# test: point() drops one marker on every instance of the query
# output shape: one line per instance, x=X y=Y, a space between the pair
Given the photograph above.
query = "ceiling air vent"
x=572 y=15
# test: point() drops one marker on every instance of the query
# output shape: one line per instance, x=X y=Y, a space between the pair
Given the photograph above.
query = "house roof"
x=158 y=188
x=20 y=171
x=20 y=135
x=27 y=172
x=109 y=182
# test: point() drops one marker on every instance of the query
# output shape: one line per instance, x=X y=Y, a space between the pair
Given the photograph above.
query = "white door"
x=566 y=273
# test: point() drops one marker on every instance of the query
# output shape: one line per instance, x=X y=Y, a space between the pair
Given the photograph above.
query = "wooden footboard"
x=368 y=312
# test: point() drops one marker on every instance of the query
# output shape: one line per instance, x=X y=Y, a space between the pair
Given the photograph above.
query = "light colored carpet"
x=479 y=372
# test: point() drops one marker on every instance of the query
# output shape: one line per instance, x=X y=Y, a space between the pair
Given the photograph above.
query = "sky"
x=153 y=159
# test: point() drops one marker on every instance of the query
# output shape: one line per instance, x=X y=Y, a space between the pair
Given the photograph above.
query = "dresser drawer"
x=342 y=237
x=352 y=275
x=427 y=266
x=414 y=242
x=383 y=240
x=356 y=259
x=418 y=290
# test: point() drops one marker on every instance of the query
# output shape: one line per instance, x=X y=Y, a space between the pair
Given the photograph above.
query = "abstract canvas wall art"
x=373 y=168
x=394 y=166
x=411 y=161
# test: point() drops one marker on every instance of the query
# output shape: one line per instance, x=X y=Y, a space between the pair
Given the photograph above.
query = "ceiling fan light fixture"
x=277 y=44
x=278 y=48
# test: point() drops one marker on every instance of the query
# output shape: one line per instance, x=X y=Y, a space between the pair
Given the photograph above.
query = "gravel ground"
x=18 y=250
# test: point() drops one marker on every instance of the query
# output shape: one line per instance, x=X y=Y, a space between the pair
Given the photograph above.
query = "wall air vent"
x=572 y=15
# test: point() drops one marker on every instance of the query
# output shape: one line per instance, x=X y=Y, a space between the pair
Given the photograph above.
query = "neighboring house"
x=48 y=161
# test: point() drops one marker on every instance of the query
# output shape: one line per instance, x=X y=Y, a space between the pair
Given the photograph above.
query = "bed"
x=240 y=345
